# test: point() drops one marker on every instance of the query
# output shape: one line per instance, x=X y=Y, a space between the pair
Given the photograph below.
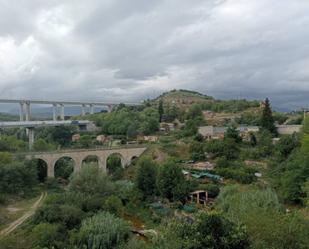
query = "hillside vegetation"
x=253 y=189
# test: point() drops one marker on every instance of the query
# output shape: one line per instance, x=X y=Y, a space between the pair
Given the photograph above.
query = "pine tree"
x=160 y=110
x=267 y=120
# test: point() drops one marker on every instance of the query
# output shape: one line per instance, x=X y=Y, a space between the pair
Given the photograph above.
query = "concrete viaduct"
x=78 y=156
x=25 y=106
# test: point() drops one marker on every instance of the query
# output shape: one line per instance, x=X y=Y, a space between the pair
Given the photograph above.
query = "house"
x=288 y=129
x=213 y=132
x=75 y=137
x=166 y=127
x=103 y=139
x=147 y=138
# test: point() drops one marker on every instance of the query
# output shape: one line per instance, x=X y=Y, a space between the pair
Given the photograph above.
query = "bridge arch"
x=64 y=166
x=119 y=155
x=91 y=158
x=42 y=168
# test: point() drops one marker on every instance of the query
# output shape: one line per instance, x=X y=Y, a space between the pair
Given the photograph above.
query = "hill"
x=183 y=98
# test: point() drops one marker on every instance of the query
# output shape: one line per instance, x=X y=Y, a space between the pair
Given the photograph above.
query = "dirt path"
x=25 y=216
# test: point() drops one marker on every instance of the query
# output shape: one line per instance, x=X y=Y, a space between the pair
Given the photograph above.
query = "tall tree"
x=146 y=176
x=267 y=120
x=160 y=110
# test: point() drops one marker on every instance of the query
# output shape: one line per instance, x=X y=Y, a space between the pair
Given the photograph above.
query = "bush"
x=267 y=225
x=91 y=180
x=103 y=231
x=212 y=189
x=68 y=216
x=238 y=172
x=113 y=204
x=49 y=235
x=17 y=177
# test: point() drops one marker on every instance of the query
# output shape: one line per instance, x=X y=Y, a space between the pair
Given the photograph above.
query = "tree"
x=160 y=110
x=5 y=158
x=17 y=177
x=145 y=178
x=114 y=166
x=286 y=145
x=267 y=120
x=215 y=231
x=68 y=215
x=197 y=151
x=41 y=145
x=233 y=133
x=171 y=182
x=223 y=148
x=252 y=139
x=62 y=135
x=209 y=230
x=194 y=112
x=91 y=180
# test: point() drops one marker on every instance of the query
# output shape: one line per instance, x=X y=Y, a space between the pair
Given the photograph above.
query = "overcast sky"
x=128 y=50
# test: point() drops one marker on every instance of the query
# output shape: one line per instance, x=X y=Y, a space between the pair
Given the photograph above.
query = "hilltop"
x=183 y=98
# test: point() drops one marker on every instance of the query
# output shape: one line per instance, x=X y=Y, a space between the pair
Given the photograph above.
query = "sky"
x=112 y=50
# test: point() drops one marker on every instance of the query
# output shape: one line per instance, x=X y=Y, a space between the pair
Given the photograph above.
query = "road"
x=25 y=216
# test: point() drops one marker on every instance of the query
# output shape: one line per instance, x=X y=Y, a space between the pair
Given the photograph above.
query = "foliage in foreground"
x=267 y=224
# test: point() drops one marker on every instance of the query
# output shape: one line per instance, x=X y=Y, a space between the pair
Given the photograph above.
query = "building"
x=75 y=137
x=147 y=138
x=288 y=129
x=103 y=139
x=213 y=132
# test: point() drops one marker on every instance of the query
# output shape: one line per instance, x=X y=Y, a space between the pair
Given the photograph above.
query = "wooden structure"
x=199 y=197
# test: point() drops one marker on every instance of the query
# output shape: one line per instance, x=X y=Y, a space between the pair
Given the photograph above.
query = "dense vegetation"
x=258 y=190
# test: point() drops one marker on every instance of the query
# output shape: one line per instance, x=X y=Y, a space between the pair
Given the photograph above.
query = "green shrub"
x=103 y=231
x=49 y=235
x=91 y=180
x=68 y=216
x=212 y=189
x=113 y=204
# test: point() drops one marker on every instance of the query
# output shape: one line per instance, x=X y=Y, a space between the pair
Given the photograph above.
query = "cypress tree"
x=160 y=110
x=267 y=120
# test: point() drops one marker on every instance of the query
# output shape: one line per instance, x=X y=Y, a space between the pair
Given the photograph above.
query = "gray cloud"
x=130 y=50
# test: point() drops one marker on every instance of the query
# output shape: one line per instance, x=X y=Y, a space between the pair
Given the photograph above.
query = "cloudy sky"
x=131 y=50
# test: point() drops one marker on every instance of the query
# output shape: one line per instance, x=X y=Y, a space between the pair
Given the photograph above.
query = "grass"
x=15 y=208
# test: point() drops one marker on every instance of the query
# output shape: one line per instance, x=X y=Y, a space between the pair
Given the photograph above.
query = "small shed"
x=199 y=197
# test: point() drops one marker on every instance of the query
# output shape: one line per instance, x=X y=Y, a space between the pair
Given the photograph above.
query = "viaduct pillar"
x=61 y=111
x=21 y=111
x=28 y=111
x=110 y=108
x=83 y=110
x=91 y=109
x=55 y=112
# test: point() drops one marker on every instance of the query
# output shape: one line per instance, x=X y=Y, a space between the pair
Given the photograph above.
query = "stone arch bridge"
x=78 y=156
